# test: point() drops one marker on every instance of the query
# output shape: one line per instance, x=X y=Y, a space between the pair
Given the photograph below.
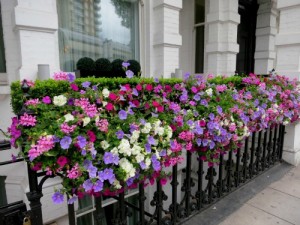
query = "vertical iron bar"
x=188 y=183
x=174 y=194
x=237 y=168
x=34 y=197
x=142 y=199
x=258 y=152
x=200 y=183
x=282 y=143
x=251 y=168
x=71 y=214
x=210 y=183
x=245 y=159
x=270 y=147
x=264 y=150
x=274 y=144
x=229 y=171
x=220 y=181
x=123 y=219
x=99 y=213
x=159 y=202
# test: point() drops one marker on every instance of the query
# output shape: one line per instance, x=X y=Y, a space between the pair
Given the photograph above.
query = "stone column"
x=166 y=37
x=266 y=30
x=36 y=24
x=221 y=45
x=288 y=63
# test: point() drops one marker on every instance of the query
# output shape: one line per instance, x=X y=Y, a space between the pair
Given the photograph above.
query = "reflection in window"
x=200 y=28
x=2 y=52
x=96 y=29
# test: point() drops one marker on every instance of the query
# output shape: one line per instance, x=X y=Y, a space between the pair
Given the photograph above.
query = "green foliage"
x=117 y=69
x=103 y=65
x=85 y=63
x=53 y=88
x=135 y=67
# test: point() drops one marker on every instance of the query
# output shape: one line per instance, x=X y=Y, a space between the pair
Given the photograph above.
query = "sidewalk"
x=271 y=199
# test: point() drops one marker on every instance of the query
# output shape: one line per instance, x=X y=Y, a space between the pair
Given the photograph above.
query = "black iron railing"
x=200 y=188
x=207 y=185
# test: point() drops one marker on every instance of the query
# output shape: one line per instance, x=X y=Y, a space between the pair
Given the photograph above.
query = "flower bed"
x=106 y=135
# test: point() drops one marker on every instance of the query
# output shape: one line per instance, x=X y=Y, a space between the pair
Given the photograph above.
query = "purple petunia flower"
x=125 y=64
x=196 y=97
x=120 y=134
x=122 y=115
x=88 y=185
x=81 y=141
x=198 y=140
x=143 y=165
x=155 y=163
x=186 y=76
x=65 y=142
x=204 y=102
x=107 y=174
x=163 y=153
x=148 y=148
x=219 y=110
x=156 y=80
x=110 y=158
x=98 y=186
x=86 y=84
x=135 y=92
x=151 y=140
x=73 y=199
x=71 y=77
x=130 y=181
x=58 y=198
x=129 y=74
x=92 y=171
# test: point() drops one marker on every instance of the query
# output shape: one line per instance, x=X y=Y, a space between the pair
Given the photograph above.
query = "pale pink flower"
x=60 y=76
x=67 y=129
x=32 y=102
x=102 y=125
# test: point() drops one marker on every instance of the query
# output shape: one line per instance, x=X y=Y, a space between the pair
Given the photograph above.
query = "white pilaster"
x=266 y=30
x=166 y=37
x=221 y=44
x=37 y=24
x=288 y=63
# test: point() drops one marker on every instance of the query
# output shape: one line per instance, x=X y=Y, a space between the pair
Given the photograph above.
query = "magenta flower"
x=62 y=161
x=46 y=100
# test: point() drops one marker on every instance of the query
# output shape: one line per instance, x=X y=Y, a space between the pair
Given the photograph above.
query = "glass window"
x=97 y=29
x=200 y=29
x=2 y=52
x=86 y=213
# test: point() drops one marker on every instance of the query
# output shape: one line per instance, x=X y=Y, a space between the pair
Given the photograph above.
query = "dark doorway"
x=246 y=36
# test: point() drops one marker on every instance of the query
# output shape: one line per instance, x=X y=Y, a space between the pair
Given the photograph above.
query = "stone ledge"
x=287 y=39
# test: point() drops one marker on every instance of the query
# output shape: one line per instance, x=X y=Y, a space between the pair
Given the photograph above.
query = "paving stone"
x=249 y=215
x=288 y=185
x=278 y=203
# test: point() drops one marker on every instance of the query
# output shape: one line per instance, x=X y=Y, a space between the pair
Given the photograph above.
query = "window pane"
x=96 y=29
x=199 y=64
x=199 y=11
x=2 y=53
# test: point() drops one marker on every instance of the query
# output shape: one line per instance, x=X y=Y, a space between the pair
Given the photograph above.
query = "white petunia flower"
x=104 y=144
x=146 y=129
x=59 y=100
x=68 y=117
x=105 y=92
x=209 y=91
x=135 y=136
x=124 y=147
x=86 y=121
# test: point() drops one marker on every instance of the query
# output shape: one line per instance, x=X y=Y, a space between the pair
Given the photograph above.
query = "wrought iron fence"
x=260 y=152
x=201 y=187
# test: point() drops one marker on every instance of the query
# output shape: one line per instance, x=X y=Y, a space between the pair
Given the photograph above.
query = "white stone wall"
x=288 y=63
x=266 y=30
x=221 y=43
